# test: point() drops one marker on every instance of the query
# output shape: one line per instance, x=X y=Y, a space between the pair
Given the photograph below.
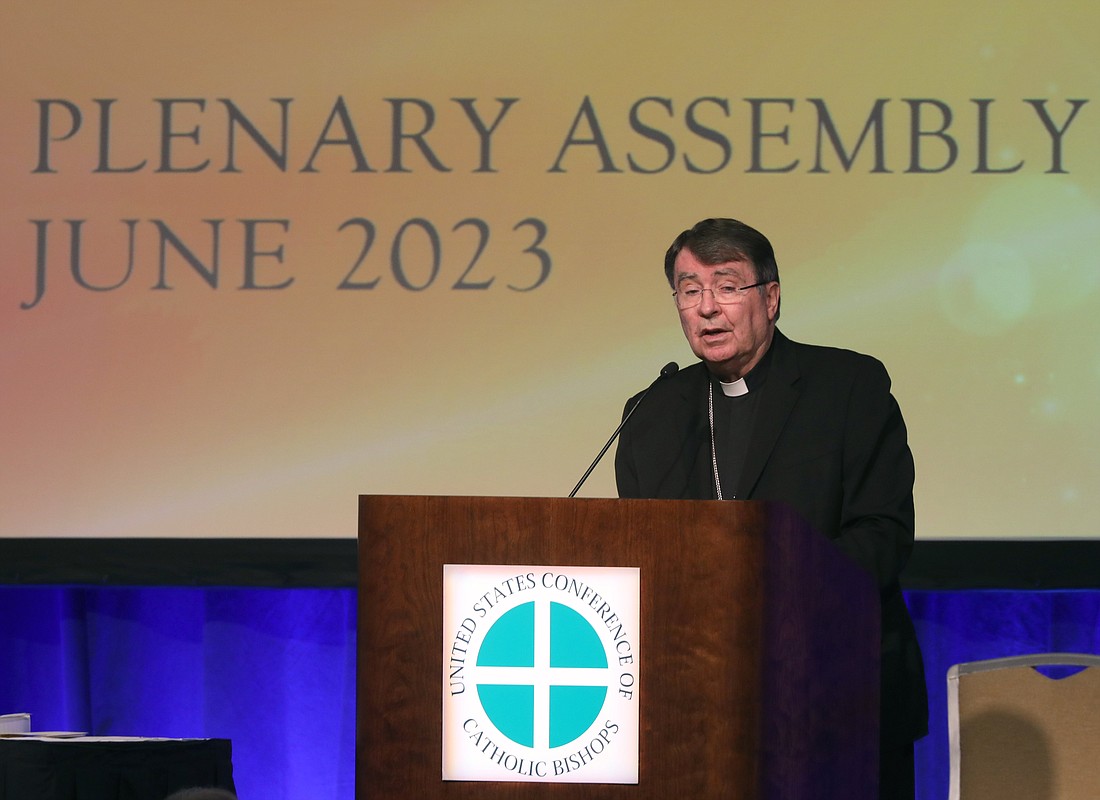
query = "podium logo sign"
x=540 y=673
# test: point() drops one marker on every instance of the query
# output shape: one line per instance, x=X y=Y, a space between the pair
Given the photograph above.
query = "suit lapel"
x=690 y=475
x=779 y=394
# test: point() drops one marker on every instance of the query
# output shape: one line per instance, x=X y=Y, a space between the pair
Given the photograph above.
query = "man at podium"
x=761 y=417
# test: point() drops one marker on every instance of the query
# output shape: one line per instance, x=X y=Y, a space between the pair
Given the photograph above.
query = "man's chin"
x=715 y=356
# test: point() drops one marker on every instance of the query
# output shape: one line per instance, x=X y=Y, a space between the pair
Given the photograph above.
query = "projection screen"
x=258 y=259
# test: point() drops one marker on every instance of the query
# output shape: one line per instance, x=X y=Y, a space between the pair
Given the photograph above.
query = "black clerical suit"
x=827 y=438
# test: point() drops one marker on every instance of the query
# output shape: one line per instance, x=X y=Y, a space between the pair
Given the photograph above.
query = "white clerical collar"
x=735 y=389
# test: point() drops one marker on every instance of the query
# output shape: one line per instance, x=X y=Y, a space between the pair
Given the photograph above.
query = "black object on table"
x=91 y=768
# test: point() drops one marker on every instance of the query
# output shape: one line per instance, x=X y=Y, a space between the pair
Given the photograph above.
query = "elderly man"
x=764 y=418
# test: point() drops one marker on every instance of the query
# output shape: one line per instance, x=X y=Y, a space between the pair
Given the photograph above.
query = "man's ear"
x=772 y=293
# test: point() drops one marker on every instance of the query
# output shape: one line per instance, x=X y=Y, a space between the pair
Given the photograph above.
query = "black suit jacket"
x=829 y=441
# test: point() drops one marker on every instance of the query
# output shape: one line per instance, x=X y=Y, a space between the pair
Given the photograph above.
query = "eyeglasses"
x=724 y=294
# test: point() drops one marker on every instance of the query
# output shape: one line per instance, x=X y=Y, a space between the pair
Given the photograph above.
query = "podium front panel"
x=733 y=621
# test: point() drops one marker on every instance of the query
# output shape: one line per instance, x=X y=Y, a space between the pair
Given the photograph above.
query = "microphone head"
x=671 y=368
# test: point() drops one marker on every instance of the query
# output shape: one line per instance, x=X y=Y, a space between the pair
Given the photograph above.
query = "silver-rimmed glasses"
x=724 y=294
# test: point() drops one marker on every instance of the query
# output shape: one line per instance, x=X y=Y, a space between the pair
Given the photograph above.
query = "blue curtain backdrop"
x=274 y=669
x=271 y=669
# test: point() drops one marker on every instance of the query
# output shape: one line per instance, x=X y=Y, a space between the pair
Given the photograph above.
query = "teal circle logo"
x=550 y=668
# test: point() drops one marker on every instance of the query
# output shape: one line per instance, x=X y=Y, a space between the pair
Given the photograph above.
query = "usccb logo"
x=540 y=673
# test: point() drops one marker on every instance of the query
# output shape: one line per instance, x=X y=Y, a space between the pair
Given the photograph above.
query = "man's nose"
x=707 y=303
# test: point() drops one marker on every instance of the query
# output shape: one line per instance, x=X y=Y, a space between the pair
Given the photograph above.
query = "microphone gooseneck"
x=671 y=368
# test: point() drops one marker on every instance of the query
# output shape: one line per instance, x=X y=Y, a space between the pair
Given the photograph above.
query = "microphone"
x=671 y=368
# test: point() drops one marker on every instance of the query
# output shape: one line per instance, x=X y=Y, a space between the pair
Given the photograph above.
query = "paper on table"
x=43 y=735
x=14 y=723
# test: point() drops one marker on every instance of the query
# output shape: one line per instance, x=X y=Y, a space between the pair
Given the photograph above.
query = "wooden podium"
x=760 y=642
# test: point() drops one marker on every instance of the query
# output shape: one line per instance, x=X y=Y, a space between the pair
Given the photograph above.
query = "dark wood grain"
x=757 y=658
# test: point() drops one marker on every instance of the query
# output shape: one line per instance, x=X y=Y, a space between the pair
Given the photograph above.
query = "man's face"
x=730 y=338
